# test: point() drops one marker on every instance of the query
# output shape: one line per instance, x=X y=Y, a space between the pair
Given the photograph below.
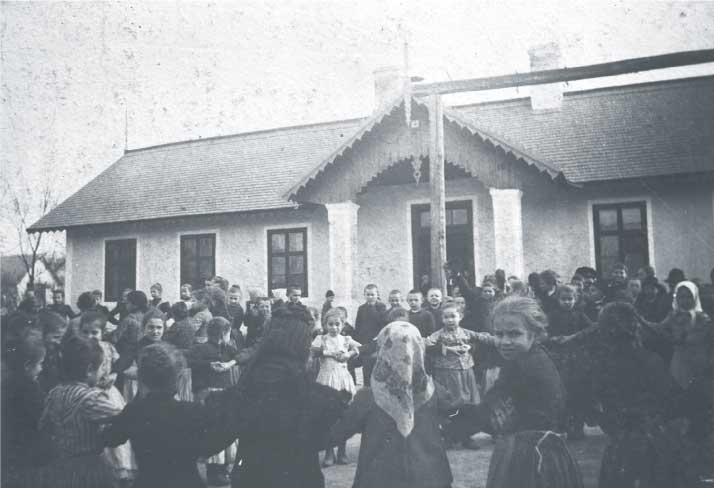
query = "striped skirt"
x=533 y=459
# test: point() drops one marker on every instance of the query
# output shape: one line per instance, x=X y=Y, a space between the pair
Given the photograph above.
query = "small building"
x=588 y=178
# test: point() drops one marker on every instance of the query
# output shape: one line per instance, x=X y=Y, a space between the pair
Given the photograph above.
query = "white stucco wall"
x=241 y=250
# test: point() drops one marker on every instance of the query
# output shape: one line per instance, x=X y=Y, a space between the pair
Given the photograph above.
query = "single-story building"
x=588 y=178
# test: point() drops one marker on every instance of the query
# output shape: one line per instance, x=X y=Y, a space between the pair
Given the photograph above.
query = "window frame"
x=287 y=253
x=197 y=237
x=110 y=297
x=643 y=232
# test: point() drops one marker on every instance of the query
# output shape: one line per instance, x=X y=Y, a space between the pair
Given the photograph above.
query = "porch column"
x=342 y=221
x=508 y=227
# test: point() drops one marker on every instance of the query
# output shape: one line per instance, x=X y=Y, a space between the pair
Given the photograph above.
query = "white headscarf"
x=695 y=294
x=399 y=380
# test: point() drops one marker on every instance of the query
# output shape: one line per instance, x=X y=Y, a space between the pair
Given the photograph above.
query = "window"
x=198 y=259
x=287 y=259
x=620 y=236
x=119 y=267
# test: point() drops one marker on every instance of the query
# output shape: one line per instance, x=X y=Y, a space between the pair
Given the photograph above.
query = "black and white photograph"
x=357 y=244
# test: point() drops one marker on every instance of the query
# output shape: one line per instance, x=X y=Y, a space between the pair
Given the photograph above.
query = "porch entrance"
x=459 y=241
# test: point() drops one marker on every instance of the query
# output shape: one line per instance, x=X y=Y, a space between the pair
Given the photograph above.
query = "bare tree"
x=25 y=208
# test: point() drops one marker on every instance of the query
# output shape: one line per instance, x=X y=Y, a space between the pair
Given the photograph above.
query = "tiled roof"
x=218 y=175
x=631 y=131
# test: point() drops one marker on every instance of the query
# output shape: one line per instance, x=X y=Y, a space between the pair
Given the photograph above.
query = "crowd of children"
x=529 y=361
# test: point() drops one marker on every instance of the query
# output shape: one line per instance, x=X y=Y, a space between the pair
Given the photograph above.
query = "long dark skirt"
x=533 y=459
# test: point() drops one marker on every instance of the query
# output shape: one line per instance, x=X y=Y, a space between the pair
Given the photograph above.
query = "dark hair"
x=234 y=289
x=618 y=322
x=577 y=277
x=565 y=289
x=217 y=326
x=621 y=266
x=549 y=277
x=449 y=306
x=50 y=322
x=24 y=350
x=153 y=313
x=397 y=313
x=80 y=355
x=157 y=286
x=289 y=334
x=221 y=282
x=159 y=366
x=395 y=292
x=179 y=311
x=85 y=301
x=91 y=316
x=58 y=290
x=329 y=294
x=97 y=293
x=138 y=299
x=414 y=292
x=586 y=272
x=187 y=285
x=371 y=286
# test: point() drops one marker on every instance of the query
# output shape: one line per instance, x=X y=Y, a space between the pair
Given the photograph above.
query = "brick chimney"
x=388 y=84
x=546 y=97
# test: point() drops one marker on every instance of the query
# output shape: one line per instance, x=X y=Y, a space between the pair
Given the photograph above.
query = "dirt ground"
x=470 y=468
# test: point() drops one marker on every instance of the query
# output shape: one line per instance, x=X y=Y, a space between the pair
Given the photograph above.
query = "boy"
x=59 y=307
x=420 y=318
x=617 y=284
x=167 y=435
x=371 y=318
x=98 y=305
x=434 y=298
x=235 y=310
x=329 y=298
x=395 y=300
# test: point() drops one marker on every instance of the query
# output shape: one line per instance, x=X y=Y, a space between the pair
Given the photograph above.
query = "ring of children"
x=279 y=245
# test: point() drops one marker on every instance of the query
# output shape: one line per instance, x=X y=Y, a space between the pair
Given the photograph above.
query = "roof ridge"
x=258 y=132
x=592 y=92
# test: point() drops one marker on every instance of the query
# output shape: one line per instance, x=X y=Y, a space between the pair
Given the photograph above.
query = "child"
x=126 y=337
x=570 y=358
x=121 y=309
x=433 y=305
x=168 y=436
x=594 y=301
x=92 y=327
x=59 y=307
x=152 y=327
x=181 y=333
x=72 y=418
x=617 y=284
x=235 y=310
x=53 y=328
x=371 y=317
x=186 y=294
x=420 y=318
x=523 y=407
x=636 y=393
x=634 y=289
x=329 y=298
x=335 y=350
x=156 y=291
x=452 y=362
x=546 y=293
x=98 y=305
x=211 y=366
x=395 y=299
x=200 y=314
x=23 y=449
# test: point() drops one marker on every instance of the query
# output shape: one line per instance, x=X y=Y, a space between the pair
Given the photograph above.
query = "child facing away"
x=168 y=436
x=200 y=314
x=334 y=351
x=126 y=337
x=92 y=327
x=523 y=407
x=214 y=368
x=327 y=305
x=23 y=449
x=452 y=362
x=72 y=418
x=371 y=318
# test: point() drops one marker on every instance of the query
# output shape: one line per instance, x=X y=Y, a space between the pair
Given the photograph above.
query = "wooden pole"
x=671 y=60
x=438 y=192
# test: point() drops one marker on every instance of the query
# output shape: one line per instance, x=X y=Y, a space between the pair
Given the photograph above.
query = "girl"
x=126 y=336
x=54 y=328
x=523 y=407
x=636 y=393
x=156 y=290
x=182 y=336
x=23 y=449
x=200 y=314
x=152 y=326
x=213 y=368
x=72 y=416
x=398 y=418
x=92 y=327
x=570 y=358
x=691 y=333
x=452 y=362
x=334 y=351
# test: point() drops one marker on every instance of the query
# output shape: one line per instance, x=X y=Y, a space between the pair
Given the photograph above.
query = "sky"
x=83 y=81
